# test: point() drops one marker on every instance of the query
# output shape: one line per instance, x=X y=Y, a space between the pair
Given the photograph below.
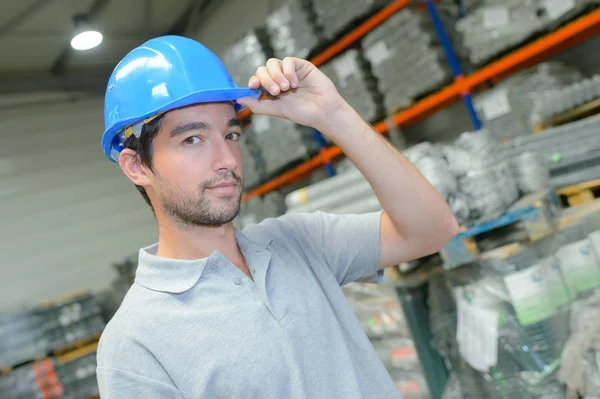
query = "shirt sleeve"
x=349 y=244
x=121 y=384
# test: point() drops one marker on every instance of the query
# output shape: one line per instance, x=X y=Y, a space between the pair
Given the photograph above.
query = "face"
x=197 y=165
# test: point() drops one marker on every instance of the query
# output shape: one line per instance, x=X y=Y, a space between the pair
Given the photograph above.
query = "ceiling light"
x=86 y=40
x=85 y=37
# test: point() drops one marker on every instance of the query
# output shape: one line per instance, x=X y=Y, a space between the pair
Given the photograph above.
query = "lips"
x=225 y=184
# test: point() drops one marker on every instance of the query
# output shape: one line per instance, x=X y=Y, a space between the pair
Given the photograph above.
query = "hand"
x=297 y=91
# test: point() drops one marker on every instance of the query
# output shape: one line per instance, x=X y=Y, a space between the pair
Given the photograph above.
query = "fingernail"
x=294 y=84
x=284 y=86
x=274 y=89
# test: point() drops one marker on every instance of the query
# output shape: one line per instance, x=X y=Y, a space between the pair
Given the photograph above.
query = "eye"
x=233 y=136
x=192 y=140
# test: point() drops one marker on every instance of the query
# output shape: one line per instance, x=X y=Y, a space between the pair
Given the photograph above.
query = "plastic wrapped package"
x=506 y=109
x=497 y=26
x=336 y=15
x=354 y=81
x=405 y=58
x=559 y=100
x=279 y=140
x=531 y=174
x=293 y=29
x=491 y=189
x=579 y=365
x=578 y=262
x=243 y=58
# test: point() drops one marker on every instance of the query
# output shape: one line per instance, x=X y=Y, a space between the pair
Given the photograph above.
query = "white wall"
x=66 y=213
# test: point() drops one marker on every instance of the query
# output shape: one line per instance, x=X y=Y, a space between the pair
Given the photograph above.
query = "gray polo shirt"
x=202 y=329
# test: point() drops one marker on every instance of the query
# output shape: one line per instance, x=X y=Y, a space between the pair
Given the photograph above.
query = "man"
x=219 y=313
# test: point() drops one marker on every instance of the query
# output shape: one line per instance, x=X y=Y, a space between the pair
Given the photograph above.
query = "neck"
x=196 y=242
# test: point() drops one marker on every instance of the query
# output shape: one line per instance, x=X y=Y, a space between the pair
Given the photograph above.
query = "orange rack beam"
x=540 y=49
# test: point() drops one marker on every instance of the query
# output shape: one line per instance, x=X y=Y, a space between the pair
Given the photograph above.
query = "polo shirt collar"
x=177 y=276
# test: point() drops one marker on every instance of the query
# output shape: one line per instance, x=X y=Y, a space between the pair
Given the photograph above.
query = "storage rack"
x=548 y=45
x=412 y=290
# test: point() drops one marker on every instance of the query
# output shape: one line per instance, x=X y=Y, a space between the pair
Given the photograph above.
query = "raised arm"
x=416 y=220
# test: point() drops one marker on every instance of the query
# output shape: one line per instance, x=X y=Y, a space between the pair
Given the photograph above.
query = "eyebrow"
x=234 y=122
x=187 y=127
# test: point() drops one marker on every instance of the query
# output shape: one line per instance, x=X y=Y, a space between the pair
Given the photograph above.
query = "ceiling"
x=35 y=37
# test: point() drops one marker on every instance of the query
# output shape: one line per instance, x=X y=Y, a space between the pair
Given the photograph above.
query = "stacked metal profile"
x=499 y=25
x=380 y=315
x=346 y=193
x=52 y=379
x=337 y=15
x=405 y=58
x=279 y=141
x=68 y=322
x=351 y=74
x=243 y=58
x=293 y=30
x=35 y=332
x=570 y=152
x=506 y=109
x=557 y=101
x=20 y=337
x=78 y=377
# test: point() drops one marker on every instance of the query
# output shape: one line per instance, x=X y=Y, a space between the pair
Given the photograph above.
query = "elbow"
x=447 y=229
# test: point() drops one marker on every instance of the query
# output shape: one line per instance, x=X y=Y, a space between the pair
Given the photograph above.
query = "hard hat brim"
x=198 y=97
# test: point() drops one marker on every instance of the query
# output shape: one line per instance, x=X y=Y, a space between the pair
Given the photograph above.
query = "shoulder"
x=289 y=226
x=122 y=341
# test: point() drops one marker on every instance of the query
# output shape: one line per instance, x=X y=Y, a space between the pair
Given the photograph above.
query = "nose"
x=223 y=155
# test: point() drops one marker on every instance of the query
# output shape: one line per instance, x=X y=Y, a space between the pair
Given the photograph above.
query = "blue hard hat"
x=162 y=74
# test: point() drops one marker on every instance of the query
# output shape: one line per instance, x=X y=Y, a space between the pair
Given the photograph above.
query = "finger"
x=274 y=66
x=254 y=82
x=259 y=106
x=289 y=70
x=301 y=67
x=267 y=82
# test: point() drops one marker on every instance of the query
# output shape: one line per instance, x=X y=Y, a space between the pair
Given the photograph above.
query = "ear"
x=132 y=166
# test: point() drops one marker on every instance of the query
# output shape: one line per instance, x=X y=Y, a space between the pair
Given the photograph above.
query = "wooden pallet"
x=67 y=349
x=531 y=218
x=581 y=112
x=580 y=193
x=77 y=353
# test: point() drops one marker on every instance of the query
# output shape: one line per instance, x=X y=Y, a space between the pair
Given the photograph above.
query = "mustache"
x=221 y=177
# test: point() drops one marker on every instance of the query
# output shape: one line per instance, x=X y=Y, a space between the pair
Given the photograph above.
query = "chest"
x=267 y=333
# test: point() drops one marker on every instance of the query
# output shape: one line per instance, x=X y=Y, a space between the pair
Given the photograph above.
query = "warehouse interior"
x=495 y=102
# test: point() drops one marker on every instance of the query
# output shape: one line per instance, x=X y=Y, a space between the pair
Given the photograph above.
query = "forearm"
x=414 y=207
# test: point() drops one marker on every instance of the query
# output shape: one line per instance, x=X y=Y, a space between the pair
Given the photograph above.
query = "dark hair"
x=143 y=147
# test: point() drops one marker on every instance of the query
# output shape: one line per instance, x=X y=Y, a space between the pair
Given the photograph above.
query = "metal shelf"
x=526 y=56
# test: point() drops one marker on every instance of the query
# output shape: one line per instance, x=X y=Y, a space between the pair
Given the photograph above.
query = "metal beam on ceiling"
x=89 y=81
x=22 y=16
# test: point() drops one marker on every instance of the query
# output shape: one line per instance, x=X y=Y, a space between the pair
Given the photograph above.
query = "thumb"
x=263 y=106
